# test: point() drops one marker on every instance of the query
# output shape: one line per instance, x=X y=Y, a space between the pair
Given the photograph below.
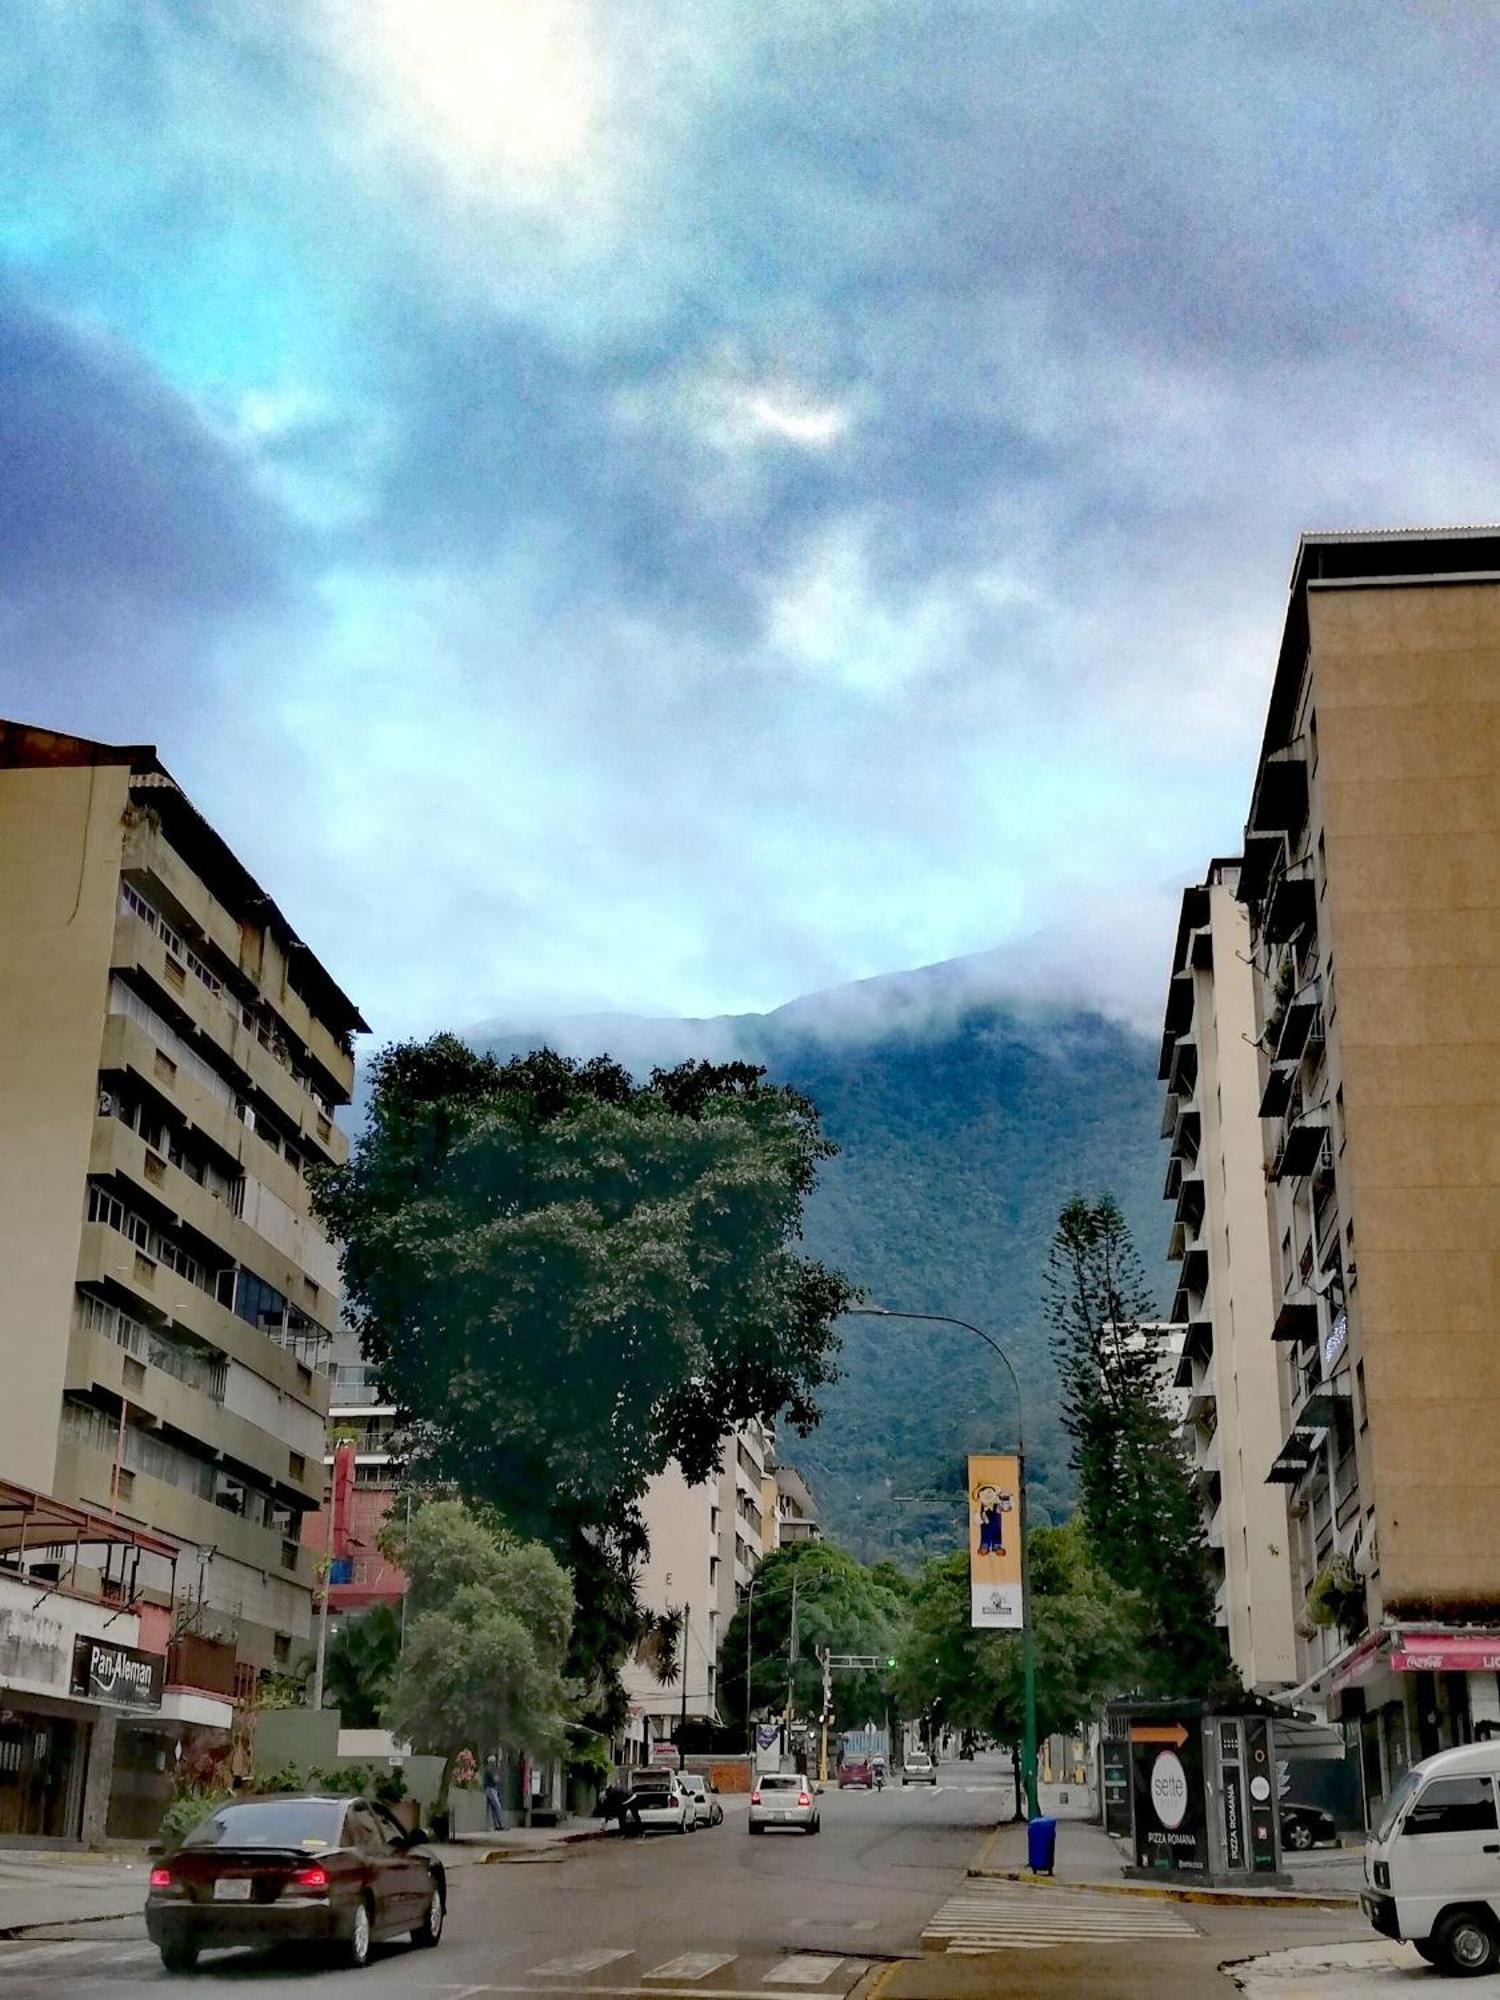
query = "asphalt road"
x=713 y=1914
x=719 y=1916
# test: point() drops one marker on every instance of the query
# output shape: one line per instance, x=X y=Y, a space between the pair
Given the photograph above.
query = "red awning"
x=1447 y=1653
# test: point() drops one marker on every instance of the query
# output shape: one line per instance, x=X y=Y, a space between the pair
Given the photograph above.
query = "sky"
x=665 y=507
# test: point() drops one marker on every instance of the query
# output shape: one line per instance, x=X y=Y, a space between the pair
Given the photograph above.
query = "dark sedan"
x=1303 y=1827
x=303 y=1871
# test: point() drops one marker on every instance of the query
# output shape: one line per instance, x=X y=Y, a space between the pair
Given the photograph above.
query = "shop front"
x=1406 y=1692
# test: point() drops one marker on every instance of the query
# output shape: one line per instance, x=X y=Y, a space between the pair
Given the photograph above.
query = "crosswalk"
x=64 y=1966
x=1019 y=1916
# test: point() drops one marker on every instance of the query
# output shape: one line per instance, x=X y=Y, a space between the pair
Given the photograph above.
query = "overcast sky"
x=666 y=506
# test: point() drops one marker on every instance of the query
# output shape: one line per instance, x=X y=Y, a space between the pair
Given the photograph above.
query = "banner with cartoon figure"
x=995 y=1542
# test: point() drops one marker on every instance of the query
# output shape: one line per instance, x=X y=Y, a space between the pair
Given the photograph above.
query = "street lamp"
x=1028 y=1626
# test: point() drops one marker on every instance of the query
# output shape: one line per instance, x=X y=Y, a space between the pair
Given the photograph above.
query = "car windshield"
x=778 y=1781
x=304 y=1823
x=1396 y=1804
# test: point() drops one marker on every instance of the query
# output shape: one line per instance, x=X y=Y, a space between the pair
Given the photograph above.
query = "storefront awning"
x=1447 y=1653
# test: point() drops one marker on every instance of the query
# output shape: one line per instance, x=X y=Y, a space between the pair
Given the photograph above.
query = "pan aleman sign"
x=995 y=1542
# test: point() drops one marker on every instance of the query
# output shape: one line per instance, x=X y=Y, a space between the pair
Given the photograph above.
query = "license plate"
x=232 y=1889
x=781 y=1815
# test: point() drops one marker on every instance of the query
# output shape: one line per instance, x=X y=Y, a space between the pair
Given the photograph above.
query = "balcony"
x=1213 y=1532
x=1280 y=802
x=1297 y=1319
x=1194 y=1277
x=1263 y=856
x=1302 y=1147
x=1173 y=1181
x=1182 y=1068
x=1291 y=908
x=1277 y=1095
x=1297 y=1456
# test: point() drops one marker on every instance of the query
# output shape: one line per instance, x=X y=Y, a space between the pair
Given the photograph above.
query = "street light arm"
x=947 y=1319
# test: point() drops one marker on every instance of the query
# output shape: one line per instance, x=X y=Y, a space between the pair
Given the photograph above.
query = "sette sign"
x=117 y=1674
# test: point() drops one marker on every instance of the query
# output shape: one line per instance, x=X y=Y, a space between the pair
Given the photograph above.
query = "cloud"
x=697 y=503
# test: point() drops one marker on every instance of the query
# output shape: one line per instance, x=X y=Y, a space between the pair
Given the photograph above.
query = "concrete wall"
x=60 y=845
x=1405 y=684
x=1257 y=1567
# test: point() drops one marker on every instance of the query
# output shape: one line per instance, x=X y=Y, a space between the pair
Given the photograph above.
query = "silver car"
x=706 y=1808
x=781 y=1798
x=919 y=1769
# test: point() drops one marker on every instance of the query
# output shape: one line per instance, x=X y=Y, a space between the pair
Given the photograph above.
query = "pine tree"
x=1133 y=1485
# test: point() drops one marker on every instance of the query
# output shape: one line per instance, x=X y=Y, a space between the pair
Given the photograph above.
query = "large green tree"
x=1133 y=1483
x=1087 y=1640
x=837 y=1603
x=362 y=1658
x=488 y=1622
x=569 y=1279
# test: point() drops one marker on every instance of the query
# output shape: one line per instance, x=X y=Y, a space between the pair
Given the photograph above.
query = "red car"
x=857 y=1771
x=305 y=1871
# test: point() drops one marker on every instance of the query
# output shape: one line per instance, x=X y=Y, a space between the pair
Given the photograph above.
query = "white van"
x=1432 y=1865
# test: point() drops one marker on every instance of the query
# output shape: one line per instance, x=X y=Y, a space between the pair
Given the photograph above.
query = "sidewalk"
x=1088 y=1858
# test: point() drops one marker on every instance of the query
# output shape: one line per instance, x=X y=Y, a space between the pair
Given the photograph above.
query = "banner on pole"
x=995 y=1598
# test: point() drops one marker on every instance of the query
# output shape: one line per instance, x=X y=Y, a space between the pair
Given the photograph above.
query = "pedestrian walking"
x=493 y=1814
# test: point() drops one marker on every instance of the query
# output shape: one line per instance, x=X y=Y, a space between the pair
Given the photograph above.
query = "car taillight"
x=755 y=1798
x=310 y=1878
x=161 y=1878
x=804 y=1798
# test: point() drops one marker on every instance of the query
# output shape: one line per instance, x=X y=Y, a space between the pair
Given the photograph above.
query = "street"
x=718 y=1914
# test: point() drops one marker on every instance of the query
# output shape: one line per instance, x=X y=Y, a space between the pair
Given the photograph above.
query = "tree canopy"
x=839 y=1604
x=568 y=1279
x=1133 y=1481
x=1087 y=1635
x=361 y=1663
x=488 y=1620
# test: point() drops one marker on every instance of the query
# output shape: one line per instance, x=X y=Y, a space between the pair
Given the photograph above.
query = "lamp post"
x=1028 y=1629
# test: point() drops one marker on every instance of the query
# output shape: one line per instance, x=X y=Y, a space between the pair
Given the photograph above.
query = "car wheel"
x=356 y=1950
x=179 y=1955
x=1299 y=1835
x=431 y=1927
x=1467 y=1945
x=757 y=1829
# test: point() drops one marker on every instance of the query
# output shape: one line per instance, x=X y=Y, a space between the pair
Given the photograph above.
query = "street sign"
x=1171 y=1816
x=1159 y=1732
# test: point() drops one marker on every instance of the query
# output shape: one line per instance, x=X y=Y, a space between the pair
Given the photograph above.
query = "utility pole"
x=682 y=1668
x=827 y=1706
x=1028 y=1625
x=791 y=1657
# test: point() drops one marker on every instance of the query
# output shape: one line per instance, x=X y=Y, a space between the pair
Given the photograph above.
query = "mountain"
x=965 y=1117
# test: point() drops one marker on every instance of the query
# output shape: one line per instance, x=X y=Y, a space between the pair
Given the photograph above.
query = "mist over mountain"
x=966 y=1113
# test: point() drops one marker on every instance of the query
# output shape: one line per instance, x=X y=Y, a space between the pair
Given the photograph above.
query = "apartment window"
x=281 y=1648
x=297 y=1465
x=289 y=1555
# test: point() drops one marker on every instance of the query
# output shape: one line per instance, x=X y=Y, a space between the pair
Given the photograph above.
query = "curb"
x=1255 y=1899
x=541 y=1853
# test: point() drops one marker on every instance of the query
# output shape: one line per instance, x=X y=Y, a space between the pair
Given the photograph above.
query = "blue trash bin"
x=1041 y=1845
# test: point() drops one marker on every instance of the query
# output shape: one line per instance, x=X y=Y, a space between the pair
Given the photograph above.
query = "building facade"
x=1220 y=1243
x=171 y=1058
x=789 y=1512
x=1371 y=879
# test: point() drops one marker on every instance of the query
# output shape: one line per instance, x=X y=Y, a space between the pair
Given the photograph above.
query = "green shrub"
x=390 y=1786
x=350 y=1780
x=287 y=1779
x=187 y=1810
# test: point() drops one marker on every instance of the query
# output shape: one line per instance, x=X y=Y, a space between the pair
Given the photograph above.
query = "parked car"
x=659 y=1800
x=290 y=1870
x=919 y=1769
x=856 y=1771
x=1431 y=1876
x=781 y=1798
x=1303 y=1827
x=706 y=1808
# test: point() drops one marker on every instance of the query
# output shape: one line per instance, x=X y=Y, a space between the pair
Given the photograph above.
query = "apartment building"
x=1371 y=879
x=706 y=1543
x=368 y=1478
x=171 y=1058
x=1219 y=1241
x=789 y=1512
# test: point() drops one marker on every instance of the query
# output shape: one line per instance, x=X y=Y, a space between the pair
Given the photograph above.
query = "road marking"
x=578 y=1961
x=802 y=1969
x=691 y=1965
x=1017 y=1917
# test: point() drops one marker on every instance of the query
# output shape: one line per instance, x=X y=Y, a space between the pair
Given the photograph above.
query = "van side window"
x=1454 y=1805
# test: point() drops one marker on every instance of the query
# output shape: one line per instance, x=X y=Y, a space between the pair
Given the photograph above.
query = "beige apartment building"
x=1371 y=877
x=171 y=1058
x=1227 y=1364
x=706 y=1543
x=789 y=1512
